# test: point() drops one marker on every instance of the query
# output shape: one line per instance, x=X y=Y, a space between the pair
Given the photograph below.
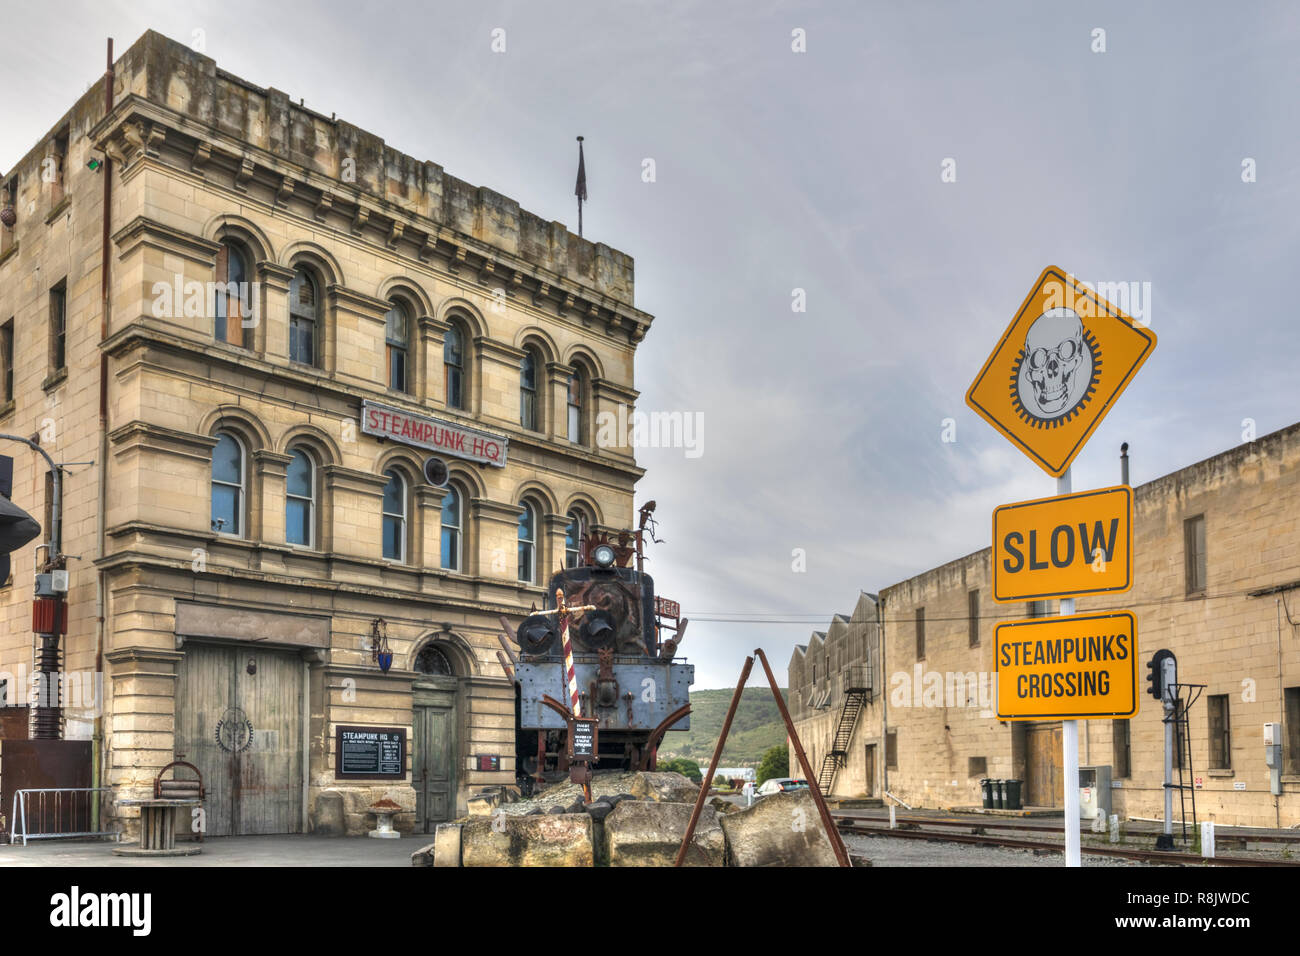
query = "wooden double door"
x=434 y=748
x=239 y=719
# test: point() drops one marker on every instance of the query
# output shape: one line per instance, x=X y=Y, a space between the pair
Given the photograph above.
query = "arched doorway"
x=434 y=726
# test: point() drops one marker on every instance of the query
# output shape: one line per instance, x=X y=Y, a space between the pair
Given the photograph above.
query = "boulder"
x=545 y=840
x=723 y=806
x=423 y=856
x=648 y=833
x=329 y=818
x=781 y=830
x=664 y=788
x=446 y=844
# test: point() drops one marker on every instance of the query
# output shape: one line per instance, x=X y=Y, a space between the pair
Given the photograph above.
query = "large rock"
x=446 y=844
x=664 y=788
x=648 y=833
x=544 y=840
x=781 y=830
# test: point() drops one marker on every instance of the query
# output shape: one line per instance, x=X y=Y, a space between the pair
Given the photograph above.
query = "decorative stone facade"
x=202 y=161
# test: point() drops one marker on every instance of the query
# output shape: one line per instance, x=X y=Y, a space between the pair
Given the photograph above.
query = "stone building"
x=1215 y=581
x=296 y=317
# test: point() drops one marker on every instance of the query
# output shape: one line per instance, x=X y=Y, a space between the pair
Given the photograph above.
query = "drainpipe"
x=97 y=743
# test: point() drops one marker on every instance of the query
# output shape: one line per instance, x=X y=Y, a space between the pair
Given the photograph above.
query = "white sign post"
x=1070 y=741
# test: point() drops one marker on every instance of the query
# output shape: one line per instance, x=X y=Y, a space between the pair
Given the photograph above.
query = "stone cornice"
x=357 y=302
x=402 y=231
x=489 y=510
x=138 y=434
x=349 y=479
x=155 y=564
x=143 y=338
x=145 y=231
x=498 y=350
x=604 y=388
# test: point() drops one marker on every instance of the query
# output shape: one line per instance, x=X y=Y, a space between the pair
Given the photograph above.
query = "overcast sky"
x=778 y=170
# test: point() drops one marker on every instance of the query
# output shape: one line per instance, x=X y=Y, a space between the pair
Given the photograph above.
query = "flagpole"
x=580 y=190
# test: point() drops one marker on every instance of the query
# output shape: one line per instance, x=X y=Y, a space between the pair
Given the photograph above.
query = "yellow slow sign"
x=1065 y=546
x=1074 y=667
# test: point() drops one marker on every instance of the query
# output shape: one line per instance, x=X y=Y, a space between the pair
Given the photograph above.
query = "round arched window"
x=431 y=660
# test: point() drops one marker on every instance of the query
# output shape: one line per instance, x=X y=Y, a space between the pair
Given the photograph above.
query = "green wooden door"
x=244 y=732
x=433 y=761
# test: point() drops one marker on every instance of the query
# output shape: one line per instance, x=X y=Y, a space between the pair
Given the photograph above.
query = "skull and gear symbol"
x=1057 y=369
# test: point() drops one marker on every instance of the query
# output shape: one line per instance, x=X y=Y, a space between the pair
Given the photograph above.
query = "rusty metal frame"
x=832 y=832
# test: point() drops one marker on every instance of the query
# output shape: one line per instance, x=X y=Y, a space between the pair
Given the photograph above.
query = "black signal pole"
x=48 y=612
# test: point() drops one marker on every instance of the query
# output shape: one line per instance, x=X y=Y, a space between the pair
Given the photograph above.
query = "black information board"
x=369 y=753
x=584 y=740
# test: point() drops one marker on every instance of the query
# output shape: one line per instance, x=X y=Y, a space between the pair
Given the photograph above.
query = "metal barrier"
x=52 y=806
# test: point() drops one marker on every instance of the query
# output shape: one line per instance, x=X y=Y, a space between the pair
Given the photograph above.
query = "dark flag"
x=580 y=188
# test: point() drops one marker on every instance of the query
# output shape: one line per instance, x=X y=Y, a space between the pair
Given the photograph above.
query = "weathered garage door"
x=1044 y=770
x=244 y=733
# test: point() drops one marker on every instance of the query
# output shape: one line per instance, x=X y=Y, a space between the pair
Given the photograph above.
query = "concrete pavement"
x=284 y=850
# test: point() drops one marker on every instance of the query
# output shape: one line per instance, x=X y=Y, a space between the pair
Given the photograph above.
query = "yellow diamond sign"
x=1057 y=370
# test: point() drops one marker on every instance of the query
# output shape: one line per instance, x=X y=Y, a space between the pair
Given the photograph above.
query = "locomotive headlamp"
x=597 y=629
x=603 y=556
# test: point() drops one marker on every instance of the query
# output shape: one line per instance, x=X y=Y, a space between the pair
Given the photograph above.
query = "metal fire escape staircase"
x=857 y=691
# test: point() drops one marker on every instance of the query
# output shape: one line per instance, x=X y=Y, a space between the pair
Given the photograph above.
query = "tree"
x=775 y=763
x=687 y=768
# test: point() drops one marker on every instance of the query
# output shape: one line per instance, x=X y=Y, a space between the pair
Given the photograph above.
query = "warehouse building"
x=297 y=319
x=1216 y=581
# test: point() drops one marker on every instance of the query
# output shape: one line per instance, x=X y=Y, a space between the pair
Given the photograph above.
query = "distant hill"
x=756 y=727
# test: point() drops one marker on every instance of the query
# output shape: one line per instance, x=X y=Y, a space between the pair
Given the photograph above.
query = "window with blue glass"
x=228 y=485
x=452 y=527
x=303 y=306
x=528 y=391
x=453 y=363
x=300 y=500
x=573 y=533
x=395 y=516
x=528 y=543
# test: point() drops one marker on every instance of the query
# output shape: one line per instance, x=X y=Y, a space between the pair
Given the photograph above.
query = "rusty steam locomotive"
x=624 y=647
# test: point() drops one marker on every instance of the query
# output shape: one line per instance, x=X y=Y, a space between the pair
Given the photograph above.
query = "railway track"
x=941 y=831
x=995 y=823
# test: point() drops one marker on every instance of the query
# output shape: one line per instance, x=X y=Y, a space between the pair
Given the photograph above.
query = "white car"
x=781 y=785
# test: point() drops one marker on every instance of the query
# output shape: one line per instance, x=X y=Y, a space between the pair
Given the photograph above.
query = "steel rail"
x=1148 y=856
x=1004 y=823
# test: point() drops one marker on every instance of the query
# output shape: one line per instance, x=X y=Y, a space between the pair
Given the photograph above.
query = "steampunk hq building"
x=244 y=339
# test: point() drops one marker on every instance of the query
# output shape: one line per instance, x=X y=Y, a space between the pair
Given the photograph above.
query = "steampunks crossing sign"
x=1082 y=665
x=1058 y=368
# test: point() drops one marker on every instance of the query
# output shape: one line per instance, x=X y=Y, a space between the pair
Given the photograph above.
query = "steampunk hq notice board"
x=370 y=753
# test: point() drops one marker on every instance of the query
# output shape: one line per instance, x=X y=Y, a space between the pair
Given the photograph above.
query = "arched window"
x=528 y=543
x=300 y=500
x=395 y=516
x=232 y=294
x=576 y=387
x=528 y=410
x=228 y=485
x=304 y=307
x=397 y=335
x=453 y=361
x=577 y=527
x=431 y=660
x=452 y=526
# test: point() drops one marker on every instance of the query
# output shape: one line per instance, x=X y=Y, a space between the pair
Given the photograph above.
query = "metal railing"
x=57 y=806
